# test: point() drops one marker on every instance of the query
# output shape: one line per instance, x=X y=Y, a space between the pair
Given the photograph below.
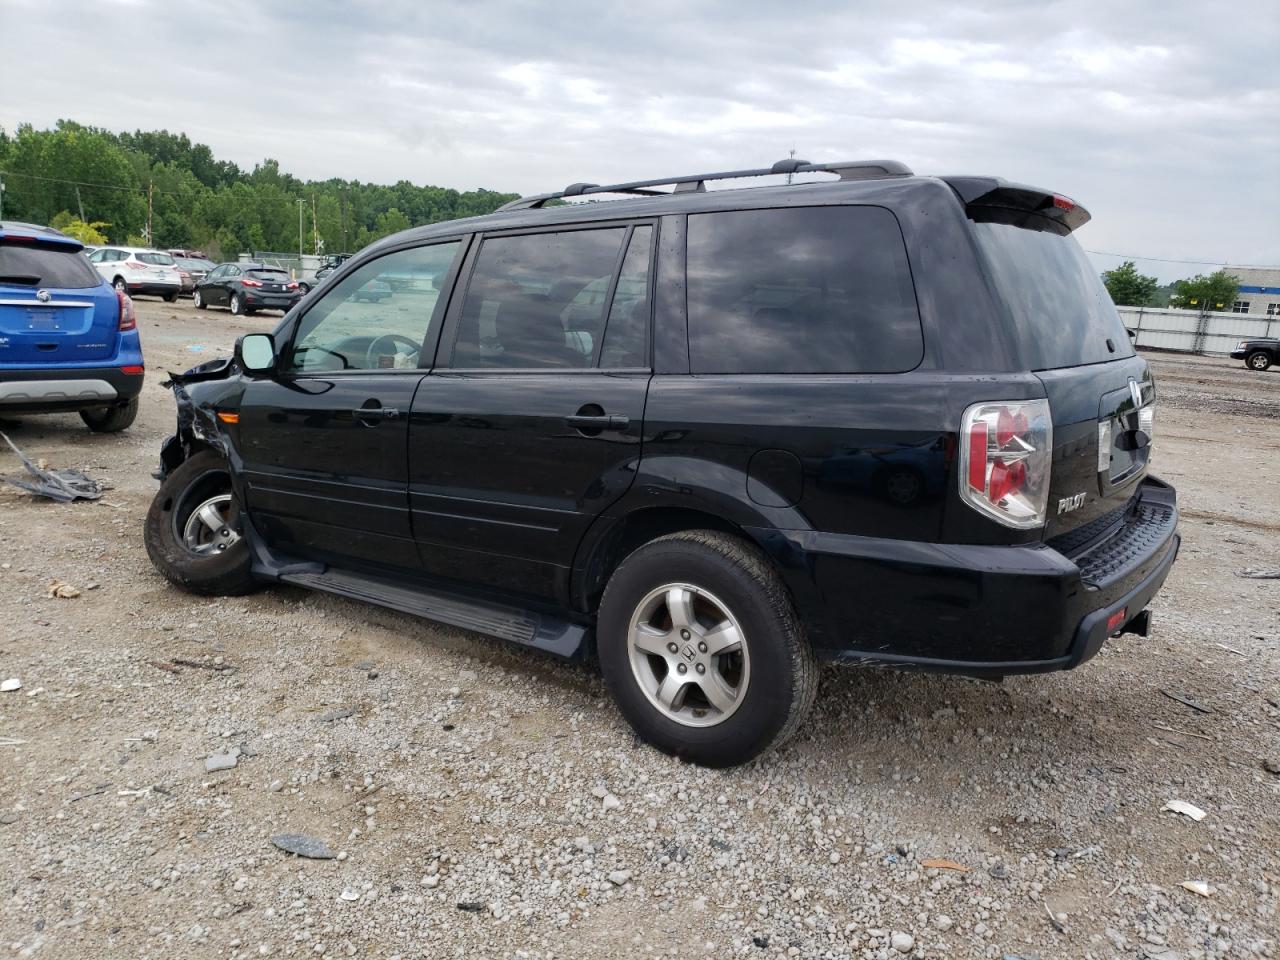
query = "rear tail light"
x=1005 y=456
x=1147 y=420
x=128 y=320
x=291 y=285
x=1104 y=446
x=251 y=283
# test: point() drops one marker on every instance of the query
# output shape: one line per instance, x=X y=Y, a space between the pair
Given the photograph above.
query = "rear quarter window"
x=42 y=266
x=801 y=290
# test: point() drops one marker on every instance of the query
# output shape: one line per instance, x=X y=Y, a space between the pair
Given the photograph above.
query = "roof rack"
x=696 y=183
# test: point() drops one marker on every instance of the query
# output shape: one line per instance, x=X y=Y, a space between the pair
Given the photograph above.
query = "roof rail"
x=696 y=183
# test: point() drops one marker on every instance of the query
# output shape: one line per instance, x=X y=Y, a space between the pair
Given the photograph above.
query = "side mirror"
x=256 y=353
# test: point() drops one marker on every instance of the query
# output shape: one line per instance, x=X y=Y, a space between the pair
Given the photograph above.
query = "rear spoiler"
x=991 y=200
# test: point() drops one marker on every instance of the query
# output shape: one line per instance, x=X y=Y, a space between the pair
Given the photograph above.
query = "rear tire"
x=721 y=709
x=1258 y=360
x=236 y=305
x=200 y=557
x=170 y=297
x=111 y=419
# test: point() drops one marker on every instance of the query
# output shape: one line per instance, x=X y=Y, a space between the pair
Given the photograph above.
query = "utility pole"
x=80 y=204
x=301 y=203
x=150 y=236
x=1 y=198
x=792 y=155
x=315 y=230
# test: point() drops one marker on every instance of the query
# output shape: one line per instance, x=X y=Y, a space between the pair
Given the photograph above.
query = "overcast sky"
x=1162 y=118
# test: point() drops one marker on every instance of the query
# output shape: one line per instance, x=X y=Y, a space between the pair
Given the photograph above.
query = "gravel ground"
x=485 y=801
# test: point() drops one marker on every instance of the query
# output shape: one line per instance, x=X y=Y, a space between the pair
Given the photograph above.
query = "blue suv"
x=68 y=340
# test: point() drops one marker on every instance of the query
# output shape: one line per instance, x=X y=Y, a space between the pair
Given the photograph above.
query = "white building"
x=1259 y=294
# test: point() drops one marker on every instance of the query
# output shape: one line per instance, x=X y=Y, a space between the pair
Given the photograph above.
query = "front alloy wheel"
x=237 y=306
x=209 y=529
x=688 y=656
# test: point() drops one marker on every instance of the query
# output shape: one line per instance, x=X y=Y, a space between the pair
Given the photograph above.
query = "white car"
x=135 y=270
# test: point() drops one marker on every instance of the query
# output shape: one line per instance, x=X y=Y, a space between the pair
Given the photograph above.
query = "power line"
x=1207 y=263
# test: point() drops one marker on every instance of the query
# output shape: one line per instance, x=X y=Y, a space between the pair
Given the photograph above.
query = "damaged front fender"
x=201 y=393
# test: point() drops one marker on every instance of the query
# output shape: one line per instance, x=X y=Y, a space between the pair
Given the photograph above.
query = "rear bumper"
x=981 y=610
x=268 y=301
x=155 y=287
x=51 y=390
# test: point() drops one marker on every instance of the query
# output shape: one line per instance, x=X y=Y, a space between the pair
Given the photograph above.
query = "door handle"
x=376 y=413
x=599 y=422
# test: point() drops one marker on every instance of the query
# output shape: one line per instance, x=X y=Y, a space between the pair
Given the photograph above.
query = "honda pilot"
x=709 y=437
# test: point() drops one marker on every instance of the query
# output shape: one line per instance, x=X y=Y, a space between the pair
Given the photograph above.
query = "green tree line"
x=1128 y=287
x=123 y=182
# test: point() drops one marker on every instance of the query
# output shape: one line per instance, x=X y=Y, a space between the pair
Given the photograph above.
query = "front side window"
x=377 y=317
x=801 y=290
x=538 y=300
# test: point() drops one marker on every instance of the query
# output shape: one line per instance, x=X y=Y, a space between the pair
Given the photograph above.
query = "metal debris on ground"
x=60 y=485
x=1187 y=701
x=299 y=844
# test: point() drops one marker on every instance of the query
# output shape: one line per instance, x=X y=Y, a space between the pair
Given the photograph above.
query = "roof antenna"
x=792 y=155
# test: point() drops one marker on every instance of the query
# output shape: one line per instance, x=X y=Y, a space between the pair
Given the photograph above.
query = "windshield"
x=1062 y=314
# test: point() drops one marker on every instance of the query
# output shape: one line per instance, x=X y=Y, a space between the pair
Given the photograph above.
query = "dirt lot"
x=489 y=802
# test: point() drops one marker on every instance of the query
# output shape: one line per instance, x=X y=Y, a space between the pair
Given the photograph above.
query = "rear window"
x=1062 y=314
x=801 y=290
x=155 y=259
x=40 y=266
x=274 y=276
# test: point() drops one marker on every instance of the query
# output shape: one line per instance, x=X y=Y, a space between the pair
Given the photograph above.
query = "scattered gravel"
x=477 y=800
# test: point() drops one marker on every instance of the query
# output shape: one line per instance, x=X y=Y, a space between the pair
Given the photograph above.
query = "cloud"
x=1162 y=119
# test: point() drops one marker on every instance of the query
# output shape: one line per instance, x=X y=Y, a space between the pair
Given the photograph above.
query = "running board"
x=525 y=627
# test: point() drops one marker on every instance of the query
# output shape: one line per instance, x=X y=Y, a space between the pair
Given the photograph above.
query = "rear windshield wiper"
x=20 y=278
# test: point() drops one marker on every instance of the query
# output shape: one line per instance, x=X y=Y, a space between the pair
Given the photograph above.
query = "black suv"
x=1258 y=353
x=711 y=437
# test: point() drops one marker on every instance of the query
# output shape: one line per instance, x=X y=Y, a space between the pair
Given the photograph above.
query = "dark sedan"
x=1257 y=354
x=195 y=269
x=246 y=288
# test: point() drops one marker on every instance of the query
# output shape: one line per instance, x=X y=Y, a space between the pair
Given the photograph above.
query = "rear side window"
x=801 y=290
x=28 y=265
x=156 y=259
x=538 y=300
x=1062 y=314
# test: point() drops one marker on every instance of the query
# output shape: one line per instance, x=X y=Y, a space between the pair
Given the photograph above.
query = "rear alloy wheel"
x=193 y=530
x=702 y=649
x=111 y=419
x=237 y=305
x=198 y=299
x=1258 y=360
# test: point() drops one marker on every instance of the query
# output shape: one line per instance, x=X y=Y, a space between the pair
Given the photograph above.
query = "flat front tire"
x=193 y=530
x=701 y=647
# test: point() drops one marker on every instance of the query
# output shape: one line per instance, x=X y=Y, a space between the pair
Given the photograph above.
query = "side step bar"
x=528 y=628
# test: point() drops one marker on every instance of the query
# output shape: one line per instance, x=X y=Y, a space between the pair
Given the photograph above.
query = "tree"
x=1217 y=291
x=93 y=233
x=1128 y=287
